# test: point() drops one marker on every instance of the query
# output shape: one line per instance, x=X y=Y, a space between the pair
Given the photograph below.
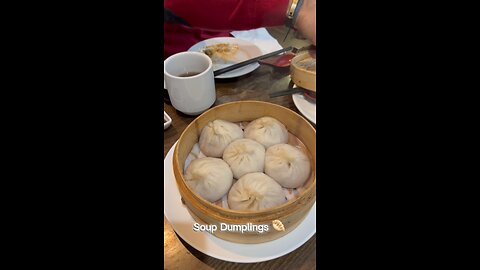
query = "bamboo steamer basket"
x=289 y=214
x=302 y=77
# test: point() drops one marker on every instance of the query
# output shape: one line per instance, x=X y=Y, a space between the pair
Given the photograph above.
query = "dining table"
x=256 y=85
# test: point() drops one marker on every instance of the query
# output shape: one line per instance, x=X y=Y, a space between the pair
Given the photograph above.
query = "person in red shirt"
x=188 y=22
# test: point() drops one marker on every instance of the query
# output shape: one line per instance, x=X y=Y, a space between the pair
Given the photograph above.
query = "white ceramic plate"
x=306 y=107
x=182 y=222
x=166 y=120
x=246 y=50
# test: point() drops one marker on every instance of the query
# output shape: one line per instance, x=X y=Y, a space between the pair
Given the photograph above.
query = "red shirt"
x=217 y=18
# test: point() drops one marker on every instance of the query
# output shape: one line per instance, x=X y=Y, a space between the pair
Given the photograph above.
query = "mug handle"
x=166 y=97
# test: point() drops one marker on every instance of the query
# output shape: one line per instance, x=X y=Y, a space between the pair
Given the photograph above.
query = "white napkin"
x=260 y=37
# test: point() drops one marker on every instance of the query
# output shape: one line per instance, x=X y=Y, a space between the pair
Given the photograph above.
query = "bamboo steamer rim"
x=241 y=213
x=297 y=59
x=301 y=76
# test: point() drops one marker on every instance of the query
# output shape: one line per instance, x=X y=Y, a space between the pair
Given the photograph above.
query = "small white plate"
x=182 y=222
x=246 y=50
x=306 y=107
x=166 y=120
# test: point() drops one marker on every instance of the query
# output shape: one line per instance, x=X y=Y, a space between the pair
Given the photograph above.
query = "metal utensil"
x=291 y=91
x=250 y=61
x=286 y=92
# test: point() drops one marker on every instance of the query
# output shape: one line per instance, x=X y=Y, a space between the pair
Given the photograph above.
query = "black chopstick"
x=249 y=61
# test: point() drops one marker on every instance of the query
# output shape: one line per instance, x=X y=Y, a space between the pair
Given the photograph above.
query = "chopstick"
x=249 y=61
x=291 y=91
x=287 y=92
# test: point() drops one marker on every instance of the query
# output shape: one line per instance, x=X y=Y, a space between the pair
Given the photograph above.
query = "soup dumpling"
x=288 y=165
x=266 y=130
x=244 y=156
x=255 y=192
x=216 y=135
x=210 y=178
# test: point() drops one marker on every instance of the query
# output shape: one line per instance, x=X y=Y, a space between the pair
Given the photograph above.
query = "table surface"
x=256 y=85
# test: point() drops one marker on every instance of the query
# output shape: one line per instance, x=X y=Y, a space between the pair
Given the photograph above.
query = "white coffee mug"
x=189 y=82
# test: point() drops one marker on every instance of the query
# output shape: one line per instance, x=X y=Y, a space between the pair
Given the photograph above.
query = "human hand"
x=306 y=21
